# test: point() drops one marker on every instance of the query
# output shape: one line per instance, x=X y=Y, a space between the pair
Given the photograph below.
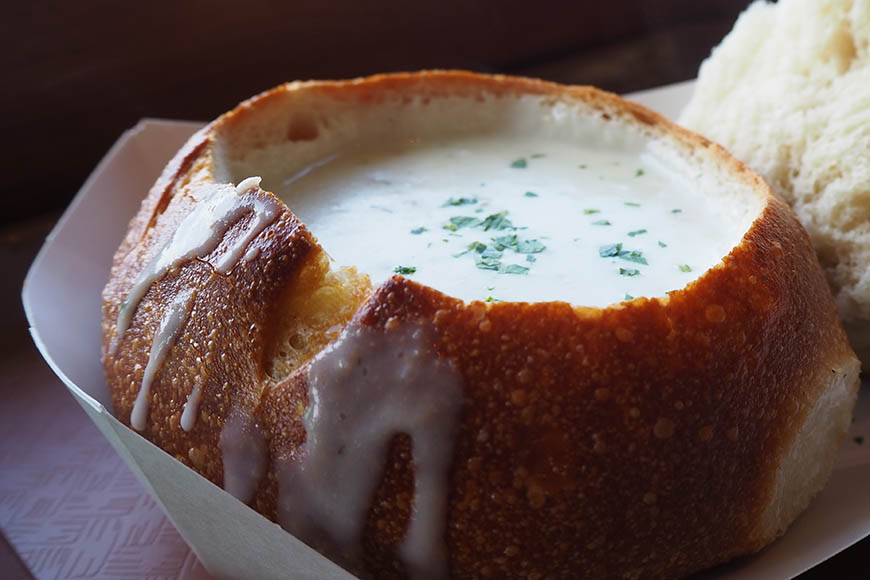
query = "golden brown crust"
x=221 y=347
x=637 y=440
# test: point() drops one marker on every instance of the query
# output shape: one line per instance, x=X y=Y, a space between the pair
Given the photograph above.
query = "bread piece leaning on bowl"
x=407 y=433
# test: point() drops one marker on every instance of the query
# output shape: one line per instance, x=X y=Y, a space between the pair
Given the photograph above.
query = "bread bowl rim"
x=604 y=102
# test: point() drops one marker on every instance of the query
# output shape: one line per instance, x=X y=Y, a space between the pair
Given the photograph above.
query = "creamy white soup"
x=511 y=219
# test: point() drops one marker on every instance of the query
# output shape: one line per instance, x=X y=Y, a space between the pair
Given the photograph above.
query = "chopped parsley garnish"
x=513 y=269
x=629 y=272
x=678 y=210
x=487 y=262
x=633 y=256
x=537 y=155
x=638 y=173
x=636 y=233
x=519 y=163
x=632 y=204
x=591 y=211
x=405 y=270
x=616 y=251
x=582 y=166
x=610 y=250
x=628 y=296
x=490 y=253
x=496 y=221
x=490 y=257
x=685 y=268
x=503 y=242
x=531 y=194
x=662 y=244
x=472 y=247
x=491 y=299
x=418 y=231
x=601 y=223
x=530 y=247
x=462 y=221
x=460 y=201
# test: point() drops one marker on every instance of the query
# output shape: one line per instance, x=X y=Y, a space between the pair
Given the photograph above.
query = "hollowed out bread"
x=788 y=93
x=651 y=438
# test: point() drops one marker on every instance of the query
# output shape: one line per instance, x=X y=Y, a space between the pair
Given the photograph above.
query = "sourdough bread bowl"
x=417 y=427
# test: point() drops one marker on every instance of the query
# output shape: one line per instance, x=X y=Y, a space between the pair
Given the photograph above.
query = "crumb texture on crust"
x=648 y=439
x=788 y=92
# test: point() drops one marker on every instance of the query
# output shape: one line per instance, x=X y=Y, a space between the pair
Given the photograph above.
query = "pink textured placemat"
x=69 y=506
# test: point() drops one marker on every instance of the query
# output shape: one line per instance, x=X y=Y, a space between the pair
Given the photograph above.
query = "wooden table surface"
x=78 y=74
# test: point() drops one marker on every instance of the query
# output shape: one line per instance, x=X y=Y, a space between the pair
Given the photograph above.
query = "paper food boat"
x=62 y=300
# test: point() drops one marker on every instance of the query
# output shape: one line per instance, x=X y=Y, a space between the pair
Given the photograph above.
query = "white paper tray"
x=62 y=300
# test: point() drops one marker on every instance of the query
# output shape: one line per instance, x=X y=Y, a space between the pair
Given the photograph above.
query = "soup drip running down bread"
x=449 y=325
x=788 y=93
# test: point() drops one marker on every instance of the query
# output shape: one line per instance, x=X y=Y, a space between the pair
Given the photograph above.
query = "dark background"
x=77 y=74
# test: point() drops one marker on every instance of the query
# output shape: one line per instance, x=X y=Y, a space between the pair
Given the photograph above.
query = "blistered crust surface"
x=633 y=440
x=638 y=440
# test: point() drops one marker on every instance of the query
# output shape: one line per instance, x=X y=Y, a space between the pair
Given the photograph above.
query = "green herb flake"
x=582 y=166
x=456 y=201
x=405 y=270
x=537 y=155
x=418 y=231
x=530 y=247
x=502 y=242
x=462 y=221
x=685 y=268
x=629 y=272
x=633 y=256
x=662 y=244
x=490 y=253
x=678 y=210
x=531 y=194
x=486 y=262
x=472 y=247
x=519 y=163
x=628 y=296
x=591 y=211
x=496 y=221
x=601 y=223
x=513 y=269
x=632 y=204
x=490 y=299
x=639 y=173
x=610 y=250
x=636 y=233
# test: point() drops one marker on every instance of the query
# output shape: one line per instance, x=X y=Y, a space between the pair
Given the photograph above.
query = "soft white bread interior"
x=649 y=438
x=788 y=93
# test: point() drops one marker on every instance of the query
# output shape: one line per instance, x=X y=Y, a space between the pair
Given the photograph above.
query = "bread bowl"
x=650 y=436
